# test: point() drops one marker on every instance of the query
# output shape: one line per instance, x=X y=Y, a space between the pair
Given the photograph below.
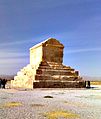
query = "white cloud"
x=11 y=66
x=15 y=42
x=14 y=61
x=30 y=40
x=6 y=54
x=11 y=62
x=83 y=50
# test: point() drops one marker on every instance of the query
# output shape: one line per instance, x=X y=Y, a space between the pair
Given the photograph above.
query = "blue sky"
x=75 y=23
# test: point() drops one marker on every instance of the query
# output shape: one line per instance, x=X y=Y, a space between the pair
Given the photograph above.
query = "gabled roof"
x=48 y=41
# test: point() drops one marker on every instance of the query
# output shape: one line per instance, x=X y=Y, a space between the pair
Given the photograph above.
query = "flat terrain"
x=51 y=103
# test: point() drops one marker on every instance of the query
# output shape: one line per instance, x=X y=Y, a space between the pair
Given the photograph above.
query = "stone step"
x=44 y=67
x=55 y=72
x=53 y=64
x=55 y=68
x=43 y=77
x=44 y=63
x=59 y=84
x=52 y=67
x=55 y=77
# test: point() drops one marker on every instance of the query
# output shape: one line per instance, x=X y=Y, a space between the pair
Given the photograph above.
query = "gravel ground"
x=32 y=105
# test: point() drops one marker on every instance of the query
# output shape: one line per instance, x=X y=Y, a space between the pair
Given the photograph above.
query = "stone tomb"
x=46 y=69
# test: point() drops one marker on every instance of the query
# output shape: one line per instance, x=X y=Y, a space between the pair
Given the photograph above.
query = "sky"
x=75 y=23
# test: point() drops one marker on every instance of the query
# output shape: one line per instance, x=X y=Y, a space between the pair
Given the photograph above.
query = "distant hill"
x=7 y=77
x=91 y=78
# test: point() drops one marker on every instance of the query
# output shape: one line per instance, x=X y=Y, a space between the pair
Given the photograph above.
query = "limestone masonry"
x=46 y=69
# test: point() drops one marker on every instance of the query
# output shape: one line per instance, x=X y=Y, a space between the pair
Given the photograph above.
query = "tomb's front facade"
x=46 y=69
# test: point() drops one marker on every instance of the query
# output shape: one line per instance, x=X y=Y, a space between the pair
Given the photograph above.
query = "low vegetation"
x=95 y=82
x=11 y=104
x=36 y=105
x=61 y=114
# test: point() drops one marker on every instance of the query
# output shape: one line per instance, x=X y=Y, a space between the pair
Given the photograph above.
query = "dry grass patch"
x=76 y=104
x=61 y=114
x=36 y=105
x=95 y=82
x=11 y=104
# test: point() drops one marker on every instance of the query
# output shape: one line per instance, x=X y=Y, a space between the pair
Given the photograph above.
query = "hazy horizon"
x=76 y=24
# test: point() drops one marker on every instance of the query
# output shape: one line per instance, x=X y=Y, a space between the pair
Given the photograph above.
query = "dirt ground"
x=51 y=103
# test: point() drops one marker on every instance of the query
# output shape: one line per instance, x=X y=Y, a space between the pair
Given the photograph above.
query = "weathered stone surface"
x=46 y=68
x=69 y=84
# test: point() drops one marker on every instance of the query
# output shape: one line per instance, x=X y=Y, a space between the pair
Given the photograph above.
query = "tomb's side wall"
x=26 y=75
x=36 y=55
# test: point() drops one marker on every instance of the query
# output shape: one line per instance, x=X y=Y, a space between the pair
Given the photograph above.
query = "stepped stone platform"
x=46 y=69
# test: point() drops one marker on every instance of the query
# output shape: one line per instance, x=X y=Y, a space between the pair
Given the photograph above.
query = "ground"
x=50 y=103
